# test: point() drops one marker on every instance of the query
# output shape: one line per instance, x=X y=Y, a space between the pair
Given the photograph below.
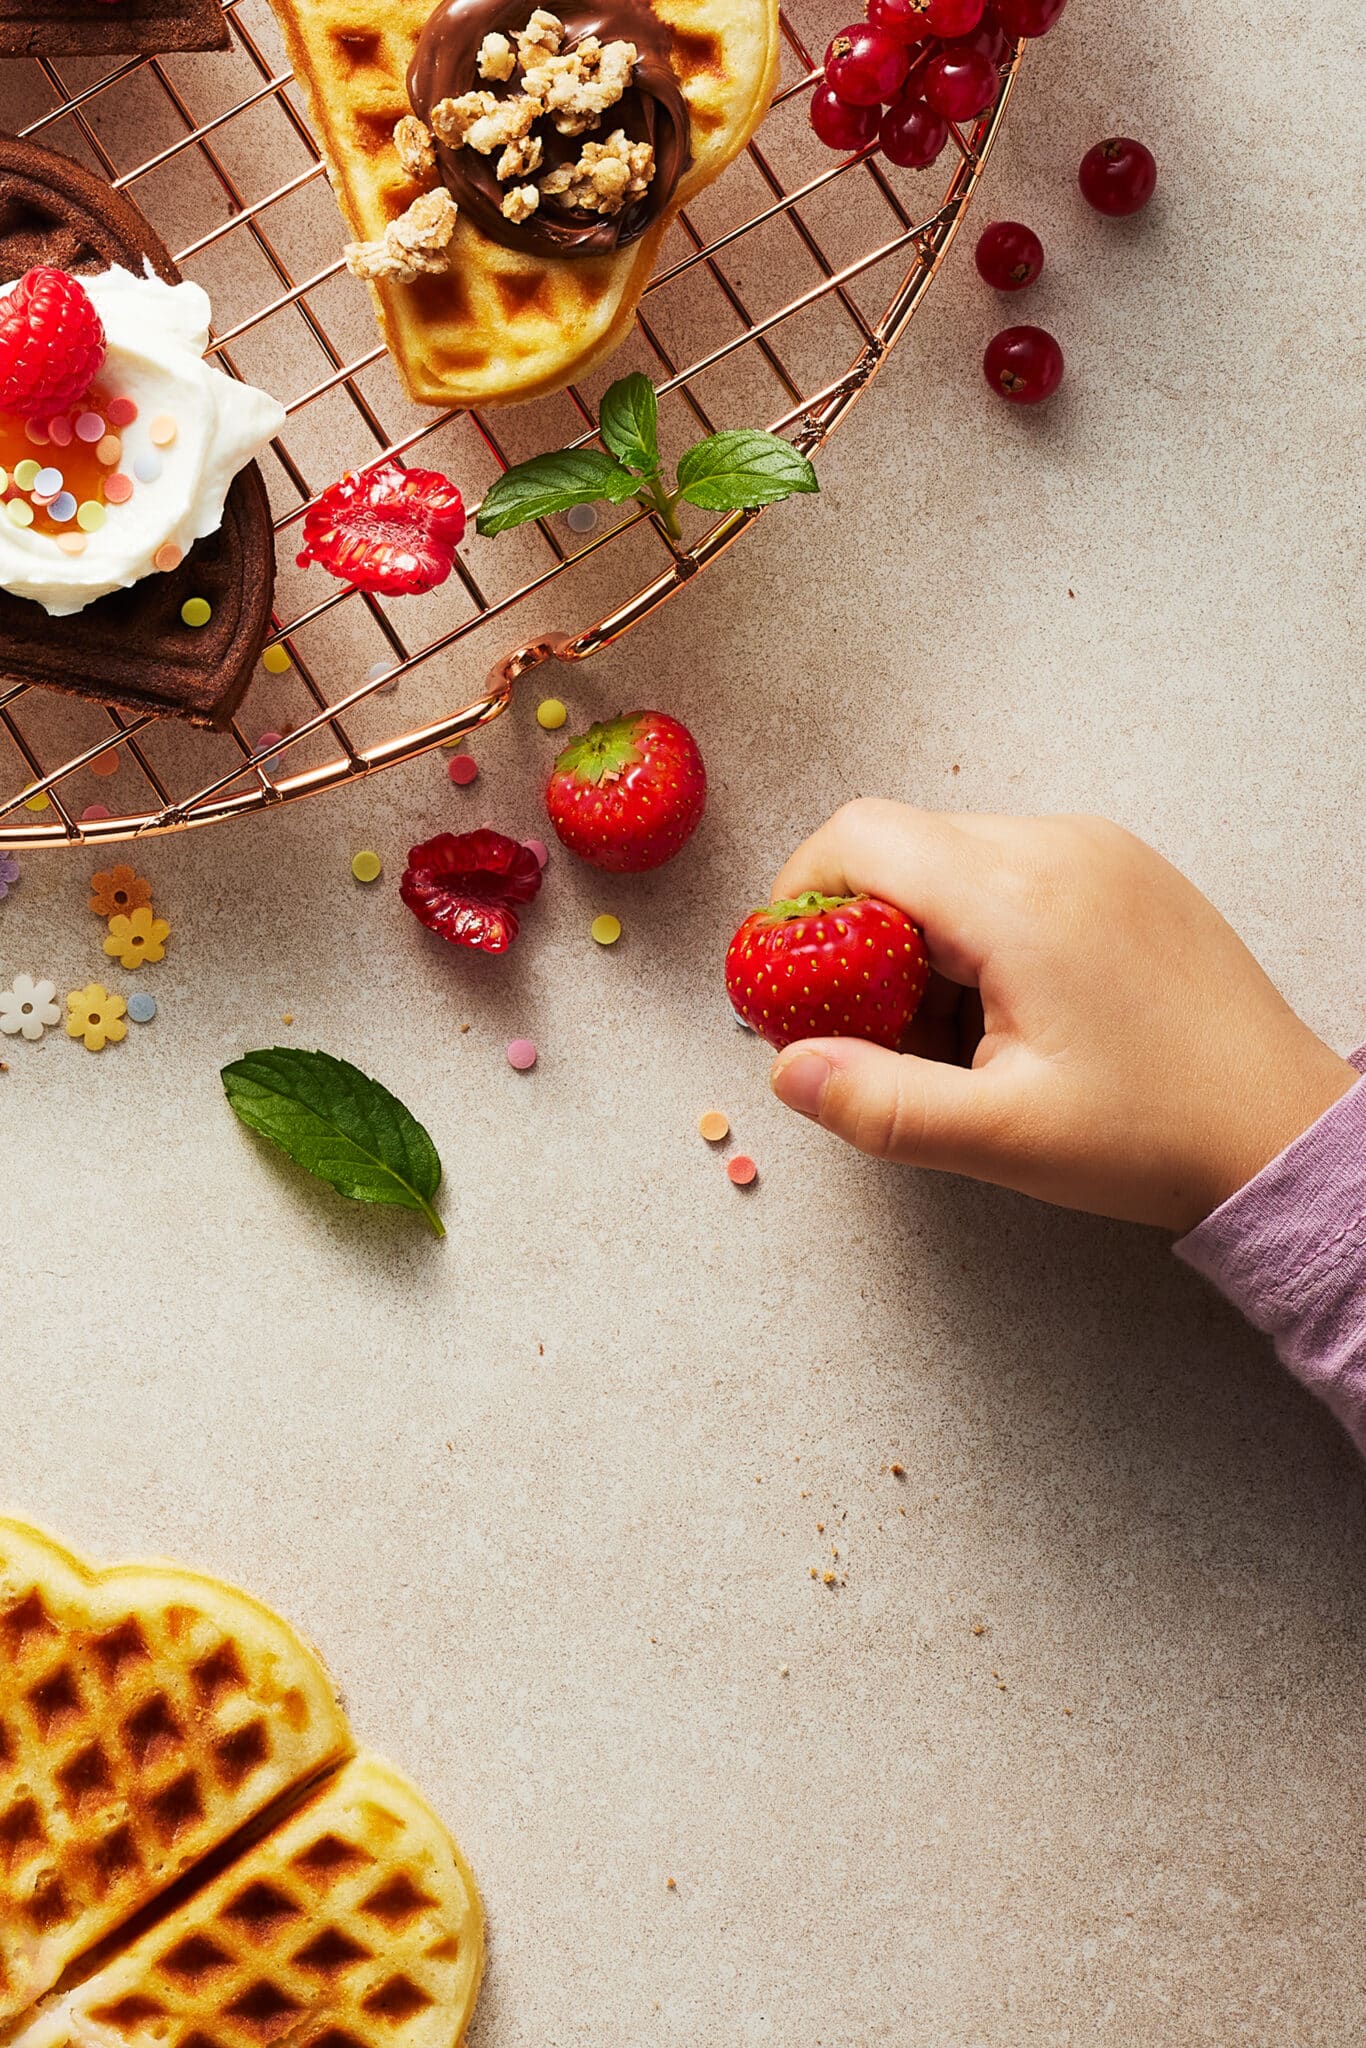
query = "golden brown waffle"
x=355 y=1924
x=145 y=1715
x=504 y=325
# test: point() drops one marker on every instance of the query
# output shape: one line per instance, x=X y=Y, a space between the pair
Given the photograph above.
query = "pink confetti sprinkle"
x=521 y=1054
x=109 y=450
x=90 y=426
x=93 y=811
x=59 y=432
x=269 y=739
x=539 y=848
x=118 y=488
x=121 y=412
x=71 y=543
x=463 y=770
x=37 y=434
x=106 y=763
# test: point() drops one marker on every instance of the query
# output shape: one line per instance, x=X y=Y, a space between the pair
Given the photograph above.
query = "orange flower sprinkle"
x=117 y=890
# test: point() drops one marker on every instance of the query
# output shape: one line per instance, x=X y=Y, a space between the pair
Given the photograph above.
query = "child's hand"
x=1127 y=1054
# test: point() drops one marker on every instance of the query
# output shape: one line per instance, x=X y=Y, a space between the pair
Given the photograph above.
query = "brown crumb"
x=956 y=769
x=814 y=1573
x=783 y=1671
x=897 y=1471
x=979 y=1628
x=1071 y=593
x=463 y=1029
x=288 y=1017
x=1067 y=1710
x=540 y=1351
x=827 y=1578
x=670 y=1884
x=820 y=1528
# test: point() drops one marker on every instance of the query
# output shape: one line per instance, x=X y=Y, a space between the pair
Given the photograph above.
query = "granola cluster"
x=415 y=245
x=573 y=89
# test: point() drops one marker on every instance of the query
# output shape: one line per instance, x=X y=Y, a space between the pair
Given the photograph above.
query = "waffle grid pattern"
x=351 y=1926
x=45 y=784
x=138 y=1730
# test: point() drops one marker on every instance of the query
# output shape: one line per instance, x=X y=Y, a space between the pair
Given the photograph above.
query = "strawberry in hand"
x=627 y=794
x=389 y=529
x=827 y=967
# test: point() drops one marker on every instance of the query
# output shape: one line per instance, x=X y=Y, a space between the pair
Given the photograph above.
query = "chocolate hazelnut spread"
x=446 y=65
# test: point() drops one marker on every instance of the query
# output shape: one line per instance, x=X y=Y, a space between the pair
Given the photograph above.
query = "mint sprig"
x=729 y=472
x=339 y=1125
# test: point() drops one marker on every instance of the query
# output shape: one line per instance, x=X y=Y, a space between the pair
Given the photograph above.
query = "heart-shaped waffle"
x=158 y=1726
x=503 y=324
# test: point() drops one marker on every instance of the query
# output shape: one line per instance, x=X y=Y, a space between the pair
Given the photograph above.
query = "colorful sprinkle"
x=521 y=1054
x=741 y=1170
x=71 y=543
x=48 y=482
x=463 y=770
x=121 y=412
x=106 y=763
x=59 y=432
x=581 y=518
x=95 y=1016
x=736 y=1018
x=94 y=811
x=19 y=512
x=36 y=433
x=196 y=611
x=276 y=660
x=90 y=426
x=606 y=929
x=62 y=507
x=118 y=488
x=162 y=431
x=382 y=668
x=167 y=557
x=4 y=479
x=141 y=1006
x=147 y=467
x=713 y=1126
x=366 y=866
x=551 y=714
x=109 y=450
x=26 y=473
x=90 y=516
x=267 y=741
x=41 y=802
x=539 y=848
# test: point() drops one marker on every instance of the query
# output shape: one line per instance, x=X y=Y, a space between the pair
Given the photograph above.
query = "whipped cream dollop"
x=156 y=335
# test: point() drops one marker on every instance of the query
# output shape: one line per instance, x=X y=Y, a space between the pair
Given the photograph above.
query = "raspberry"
x=467 y=886
x=389 y=529
x=51 y=344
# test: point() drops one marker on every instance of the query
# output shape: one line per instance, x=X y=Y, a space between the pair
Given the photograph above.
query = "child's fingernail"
x=801 y=1083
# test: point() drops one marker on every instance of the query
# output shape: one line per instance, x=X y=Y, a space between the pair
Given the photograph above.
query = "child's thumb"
x=921 y=1112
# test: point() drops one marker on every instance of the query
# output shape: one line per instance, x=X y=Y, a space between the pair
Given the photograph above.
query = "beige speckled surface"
x=548 y=1494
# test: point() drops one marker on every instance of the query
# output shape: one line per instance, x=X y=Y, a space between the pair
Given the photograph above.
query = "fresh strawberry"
x=466 y=887
x=827 y=967
x=51 y=344
x=388 y=529
x=627 y=793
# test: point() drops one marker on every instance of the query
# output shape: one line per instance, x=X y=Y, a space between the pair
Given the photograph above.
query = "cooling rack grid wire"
x=765 y=285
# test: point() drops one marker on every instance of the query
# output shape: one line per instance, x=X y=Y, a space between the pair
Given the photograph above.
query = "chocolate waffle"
x=145 y=1715
x=132 y=648
x=94 y=28
x=503 y=324
x=158 y=1726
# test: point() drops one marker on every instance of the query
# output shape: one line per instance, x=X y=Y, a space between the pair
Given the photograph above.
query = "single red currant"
x=912 y=134
x=1023 y=364
x=839 y=125
x=1009 y=255
x=865 y=65
x=904 y=19
x=959 y=83
x=1028 y=17
x=1118 y=176
x=952 y=17
x=988 y=37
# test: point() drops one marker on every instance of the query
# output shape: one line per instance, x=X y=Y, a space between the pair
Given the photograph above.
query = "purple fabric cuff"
x=1289 y=1250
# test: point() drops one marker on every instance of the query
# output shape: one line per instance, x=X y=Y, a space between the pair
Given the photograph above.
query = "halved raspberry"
x=465 y=886
x=388 y=529
x=51 y=344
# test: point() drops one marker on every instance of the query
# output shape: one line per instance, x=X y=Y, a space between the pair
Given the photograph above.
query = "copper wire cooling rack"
x=763 y=286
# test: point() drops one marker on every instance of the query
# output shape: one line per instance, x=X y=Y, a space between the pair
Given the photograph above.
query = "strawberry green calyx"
x=604 y=752
x=809 y=904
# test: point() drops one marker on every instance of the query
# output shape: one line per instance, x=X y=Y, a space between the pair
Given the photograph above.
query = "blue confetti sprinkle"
x=142 y=1007
x=63 y=507
x=740 y=1021
x=147 y=468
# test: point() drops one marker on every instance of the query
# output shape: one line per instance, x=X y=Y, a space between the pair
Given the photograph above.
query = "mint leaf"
x=552 y=483
x=628 y=420
x=739 y=471
x=339 y=1125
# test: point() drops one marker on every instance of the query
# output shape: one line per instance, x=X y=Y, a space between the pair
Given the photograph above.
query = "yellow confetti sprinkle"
x=366 y=867
x=550 y=713
x=276 y=660
x=606 y=929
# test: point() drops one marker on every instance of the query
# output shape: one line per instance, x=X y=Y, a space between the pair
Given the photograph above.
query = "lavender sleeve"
x=1289 y=1250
